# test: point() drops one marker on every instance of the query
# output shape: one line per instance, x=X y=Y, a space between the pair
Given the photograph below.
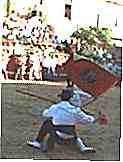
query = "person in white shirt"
x=62 y=118
x=46 y=67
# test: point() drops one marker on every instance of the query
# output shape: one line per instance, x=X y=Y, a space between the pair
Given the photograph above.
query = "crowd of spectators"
x=30 y=48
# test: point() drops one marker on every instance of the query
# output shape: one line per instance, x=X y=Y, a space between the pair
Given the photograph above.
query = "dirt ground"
x=21 y=121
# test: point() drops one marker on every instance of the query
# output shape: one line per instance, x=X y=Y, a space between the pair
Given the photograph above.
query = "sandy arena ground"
x=21 y=121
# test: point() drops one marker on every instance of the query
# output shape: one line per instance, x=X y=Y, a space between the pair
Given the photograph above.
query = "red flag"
x=89 y=76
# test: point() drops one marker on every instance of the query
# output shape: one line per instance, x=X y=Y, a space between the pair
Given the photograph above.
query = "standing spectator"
x=24 y=59
x=28 y=70
x=46 y=67
x=36 y=67
x=18 y=74
x=12 y=67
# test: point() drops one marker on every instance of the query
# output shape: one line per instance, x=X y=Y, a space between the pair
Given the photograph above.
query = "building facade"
x=68 y=15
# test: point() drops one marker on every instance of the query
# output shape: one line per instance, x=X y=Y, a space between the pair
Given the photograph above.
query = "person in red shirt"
x=12 y=67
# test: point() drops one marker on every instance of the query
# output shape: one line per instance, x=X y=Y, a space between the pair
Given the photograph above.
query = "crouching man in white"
x=60 y=124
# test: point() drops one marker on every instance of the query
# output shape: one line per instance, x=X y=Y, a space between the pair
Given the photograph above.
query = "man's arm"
x=82 y=117
x=48 y=112
x=85 y=117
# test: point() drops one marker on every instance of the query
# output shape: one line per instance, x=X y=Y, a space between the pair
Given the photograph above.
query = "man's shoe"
x=34 y=143
x=87 y=149
x=40 y=145
x=82 y=147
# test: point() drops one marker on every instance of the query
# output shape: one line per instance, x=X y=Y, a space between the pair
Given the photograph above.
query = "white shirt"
x=46 y=62
x=63 y=113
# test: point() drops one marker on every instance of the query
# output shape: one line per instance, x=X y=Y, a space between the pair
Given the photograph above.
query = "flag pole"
x=47 y=99
x=90 y=101
x=98 y=18
x=7 y=7
x=53 y=101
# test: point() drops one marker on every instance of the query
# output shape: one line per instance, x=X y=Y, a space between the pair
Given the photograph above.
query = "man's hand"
x=102 y=119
